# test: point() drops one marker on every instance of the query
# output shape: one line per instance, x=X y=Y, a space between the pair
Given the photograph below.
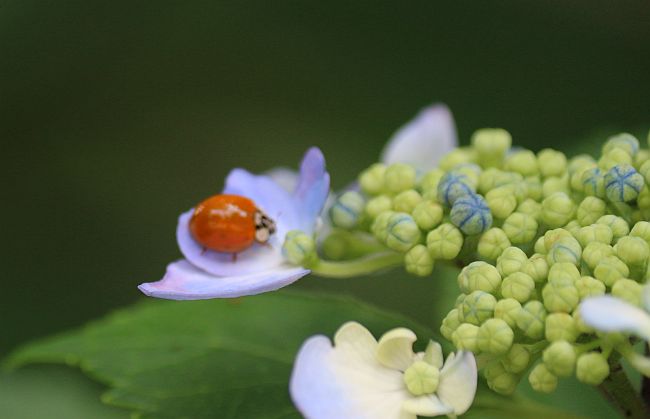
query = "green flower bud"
x=445 y=242
x=421 y=378
x=540 y=246
x=299 y=248
x=560 y=358
x=511 y=260
x=560 y=297
x=551 y=236
x=379 y=227
x=576 y=176
x=589 y=287
x=406 y=201
x=580 y=161
x=481 y=276
x=459 y=301
x=593 y=182
x=613 y=158
x=628 y=290
x=471 y=214
x=418 y=261
x=499 y=380
x=335 y=245
x=465 y=337
x=490 y=179
x=623 y=183
x=590 y=210
x=453 y=186
x=595 y=252
x=477 y=307
x=537 y=268
x=594 y=233
x=456 y=157
x=580 y=324
x=377 y=205
x=507 y=310
x=561 y=326
x=563 y=273
x=347 y=210
x=517 y=359
x=449 y=324
x=618 y=225
x=502 y=201
x=555 y=184
x=495 y=337
x=430 y=180
x=626 y=142
x=531 y=319
x=491 y=145
x=399 y=177
x=641 y=230
x=535 y=189
x=492 y=244
x=542 y=380
x=427 y=214
x=557 y=210
x=566 y=249
x=611 y=269
x=573 y=227
x=520 y=228
x=633 y=251
x=641 y=157
x=371 y=180
x=523 y=162
x=592 y=368
x=519 y=286
x=471 y=170
x=402 y=232
x=551 y=162
x=530 y=207
x=645 y=171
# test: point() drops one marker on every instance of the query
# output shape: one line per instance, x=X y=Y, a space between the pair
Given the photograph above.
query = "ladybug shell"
x=224 y=223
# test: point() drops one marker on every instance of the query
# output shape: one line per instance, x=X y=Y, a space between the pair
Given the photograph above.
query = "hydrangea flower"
x=208 y=274
x=360 y=377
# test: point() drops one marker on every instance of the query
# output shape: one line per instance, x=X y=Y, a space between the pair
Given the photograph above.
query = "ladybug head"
x=264 y=227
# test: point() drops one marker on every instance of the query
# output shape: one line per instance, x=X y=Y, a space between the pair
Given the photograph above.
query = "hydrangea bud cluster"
x=537 y=233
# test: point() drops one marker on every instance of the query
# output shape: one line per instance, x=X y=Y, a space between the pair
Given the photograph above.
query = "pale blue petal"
x=285 y=177
x=610 y=314
x=312 y=190
x=423 y=140
x=183 y=281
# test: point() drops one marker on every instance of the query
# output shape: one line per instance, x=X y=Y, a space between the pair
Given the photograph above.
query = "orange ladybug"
x=230 y=224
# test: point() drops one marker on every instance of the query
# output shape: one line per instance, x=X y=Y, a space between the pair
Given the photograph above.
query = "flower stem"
x=619 y=391
x=361 y=266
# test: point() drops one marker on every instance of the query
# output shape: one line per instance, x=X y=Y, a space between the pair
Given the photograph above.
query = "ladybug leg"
x=234 y=257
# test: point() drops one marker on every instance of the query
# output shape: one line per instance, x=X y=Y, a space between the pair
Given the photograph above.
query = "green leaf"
x=213 y=358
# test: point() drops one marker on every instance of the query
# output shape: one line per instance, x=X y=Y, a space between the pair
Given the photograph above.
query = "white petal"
x=184 y=281
x=427 y=405
x=433 y=354
x=424 y=140
x=610 y=314
x=356 y=342
x=395 y=349
x=458 y=380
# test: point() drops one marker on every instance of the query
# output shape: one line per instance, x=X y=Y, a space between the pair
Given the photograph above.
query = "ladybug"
x=230 y=224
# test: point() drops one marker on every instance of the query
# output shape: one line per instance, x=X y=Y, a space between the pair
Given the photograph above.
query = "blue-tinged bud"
x=402 y=232
x=477 y=307
x=453 y=186
x=379 y=227
x=593 y=182
x=471 y=214
x=347 y=210
x=623 y=183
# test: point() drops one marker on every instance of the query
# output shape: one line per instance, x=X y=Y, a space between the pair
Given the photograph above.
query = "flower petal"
x=423 y=140
x=395 y=348
x=427 y=405
x=285 y=177
x=458 y=380
x=610 y=314
x=183 y=281
x=433 y=354
x=312 y=189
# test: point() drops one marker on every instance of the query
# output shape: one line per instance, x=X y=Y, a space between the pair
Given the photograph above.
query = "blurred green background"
x=117 y=116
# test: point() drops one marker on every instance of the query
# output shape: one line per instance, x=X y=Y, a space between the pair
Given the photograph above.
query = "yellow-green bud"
x=379 y=227
x=542 y=380
x=430 y=180
x=624 y=141
x=511 y=260
x=507 y=310
x=456 y=157
x=445 y=242
x=594 y=233
x=580 y=161
x=399 y=177
x=628 y=290
x=517 y=359
x=623 y=183
x=592 y=368
x=519 y=286
x=523 y=162
x=557 y=210
x=593 y=182
x=589 y=287
x=406 y=201
x=531 y=319
x=561 y=326
x=555 y=184
x=540 y=246
x=590 y=210
x=645 y=171
x=471 y=214
x=641 y=157
x=471 y=170
x=537 y=268
x=427 y=214
x=560 y=358
x=611 y=269
x=371 y=180
x=347 y=210
x=641 y=230
x=633 y=251
x=563 y=273
x=613 y=158
x=502 y=201
x=477 y=307
x=495 y=337
x=520 y=228
x=336 y=245
x=499 y=380
x=492 y=244
x=580 y=324
x=619 y=226
x=377 y=205
x=450 y=323
x=595 y=252
x=530 y=207
x=421 y=378
x=551 y=162
x=560 y=297
x=573 y=227
x=577 y=175
x=481 y=276
x=566 y=249
x=418 y=261
x=534 y=187
x=402 y=232
x=299 y=248
x=491 y=145
x=465 y=337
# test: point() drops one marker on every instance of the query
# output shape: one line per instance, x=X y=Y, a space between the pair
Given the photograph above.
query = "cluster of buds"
x=537 y=233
